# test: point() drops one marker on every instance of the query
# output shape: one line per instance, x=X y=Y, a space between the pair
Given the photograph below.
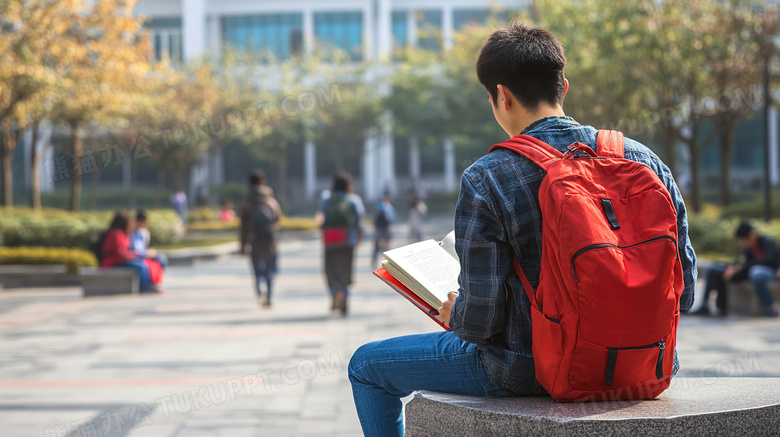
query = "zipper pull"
x=659 y=366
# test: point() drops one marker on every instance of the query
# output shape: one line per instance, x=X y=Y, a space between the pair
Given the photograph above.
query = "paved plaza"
x=204 y=360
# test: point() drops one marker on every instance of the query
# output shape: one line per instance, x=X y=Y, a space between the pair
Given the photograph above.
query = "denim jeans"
x=264 y=268
x=144 y=280
x=760 y=276
x=383 y=372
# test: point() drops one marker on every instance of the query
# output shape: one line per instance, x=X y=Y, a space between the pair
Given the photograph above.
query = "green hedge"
x=285 y=224
x=716 y=235
x=59 y=228
x=73 y=259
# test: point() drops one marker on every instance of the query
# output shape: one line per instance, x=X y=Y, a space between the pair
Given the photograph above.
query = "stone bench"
x=690 y=407
x=742 y=298
x=108 y=281
x=19 y=276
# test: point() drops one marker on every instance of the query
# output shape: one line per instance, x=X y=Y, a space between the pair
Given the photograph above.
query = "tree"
x=31 y=50
x=108 y=64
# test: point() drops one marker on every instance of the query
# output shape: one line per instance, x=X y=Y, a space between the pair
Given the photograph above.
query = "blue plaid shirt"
x=498 y=219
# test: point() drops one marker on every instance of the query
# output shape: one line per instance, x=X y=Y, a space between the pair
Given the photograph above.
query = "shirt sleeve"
x=485 y=260
x=684 y=247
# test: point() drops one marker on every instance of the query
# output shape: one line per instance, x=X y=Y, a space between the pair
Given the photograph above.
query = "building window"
x=429 y=25
x=280 y=35
x=166 y=38
x=400 y=28
x=463 y=17
x=340 y=30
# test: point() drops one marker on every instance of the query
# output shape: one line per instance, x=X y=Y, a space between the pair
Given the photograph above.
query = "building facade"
x=366 y=29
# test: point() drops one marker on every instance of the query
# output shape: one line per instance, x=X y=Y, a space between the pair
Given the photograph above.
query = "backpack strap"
x=529 y=291
x=541 y=153
x=609 y=144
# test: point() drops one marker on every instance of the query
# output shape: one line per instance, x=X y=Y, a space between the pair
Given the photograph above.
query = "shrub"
x=58 y=228
x=716 y=235
x=202 y=214
x=752 y=210
x=285 y=223
x=73 y=259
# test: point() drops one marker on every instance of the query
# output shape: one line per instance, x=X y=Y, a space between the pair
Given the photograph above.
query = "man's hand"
x=446 y=308
x=731 y=271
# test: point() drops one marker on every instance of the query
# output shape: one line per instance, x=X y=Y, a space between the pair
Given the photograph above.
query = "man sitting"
x=762 y=259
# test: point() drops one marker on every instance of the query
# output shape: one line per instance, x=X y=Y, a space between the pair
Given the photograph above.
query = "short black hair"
x=257 y=177
x=140 y=215
x=528 y=61
x=120 y=221
x=342 y=182
x=743 y=230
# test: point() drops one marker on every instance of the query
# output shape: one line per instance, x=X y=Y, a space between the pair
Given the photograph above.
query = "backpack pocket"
x=596 y=367
x=626 y=307
x=625 y=294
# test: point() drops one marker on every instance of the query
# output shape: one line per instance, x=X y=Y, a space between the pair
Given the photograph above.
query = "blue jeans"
x=383 y=372
x=264 y=267
x=144 y=281
x=760 y=276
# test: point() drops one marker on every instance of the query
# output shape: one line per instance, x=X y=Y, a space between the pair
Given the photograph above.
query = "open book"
x=423 y=272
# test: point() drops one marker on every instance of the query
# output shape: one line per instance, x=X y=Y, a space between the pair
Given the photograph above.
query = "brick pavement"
x=205 y=360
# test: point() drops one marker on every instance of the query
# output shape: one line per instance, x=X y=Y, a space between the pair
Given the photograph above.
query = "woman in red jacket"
x=115 y=251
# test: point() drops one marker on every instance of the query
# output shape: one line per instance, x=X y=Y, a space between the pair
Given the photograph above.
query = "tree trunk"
x=178 y=178
x=133 y=176
x=9 y=143
x=281 y=178
x=35 y=177
x=160 y=185
x=669 y=140
x=726 y=136
x=695 y=176
x=93 y=184
x=75 y=177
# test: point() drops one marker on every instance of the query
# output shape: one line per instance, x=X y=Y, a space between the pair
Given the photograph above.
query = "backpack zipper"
x=607 y=245
x=612 y=360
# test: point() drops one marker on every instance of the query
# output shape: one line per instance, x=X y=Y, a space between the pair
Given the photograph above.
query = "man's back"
x=498 y=219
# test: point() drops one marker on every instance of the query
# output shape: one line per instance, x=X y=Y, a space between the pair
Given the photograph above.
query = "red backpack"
x=606 y=310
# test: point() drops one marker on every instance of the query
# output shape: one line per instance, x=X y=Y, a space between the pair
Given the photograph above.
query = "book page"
x=448 y=244
x=426 y=268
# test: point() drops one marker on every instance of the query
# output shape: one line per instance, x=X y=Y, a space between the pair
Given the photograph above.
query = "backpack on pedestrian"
x=381 y=221
x=339 y=219
x=606 y=309
x=264 y=221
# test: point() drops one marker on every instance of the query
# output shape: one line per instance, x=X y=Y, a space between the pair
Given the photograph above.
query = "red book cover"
x=430 y=311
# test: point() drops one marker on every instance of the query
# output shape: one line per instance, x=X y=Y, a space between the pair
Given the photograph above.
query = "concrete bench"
x=18 y=276
x=691 y=407
x=742 y=298
x=108 y=281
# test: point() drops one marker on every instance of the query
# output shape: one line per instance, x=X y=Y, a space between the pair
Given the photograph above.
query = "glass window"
x=400 y=28
x=429 y=24
x=340 y=30
x=166 y=38
x=463 y=17
x=277 y=34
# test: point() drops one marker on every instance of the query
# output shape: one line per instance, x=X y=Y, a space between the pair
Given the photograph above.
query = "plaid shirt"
x=498 y=219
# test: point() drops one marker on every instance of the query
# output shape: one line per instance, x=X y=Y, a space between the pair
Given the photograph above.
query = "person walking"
x=342 y=213
x=383 y=233
x=259 y=231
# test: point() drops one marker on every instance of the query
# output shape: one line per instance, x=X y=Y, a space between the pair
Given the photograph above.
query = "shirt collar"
x=555 y=122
